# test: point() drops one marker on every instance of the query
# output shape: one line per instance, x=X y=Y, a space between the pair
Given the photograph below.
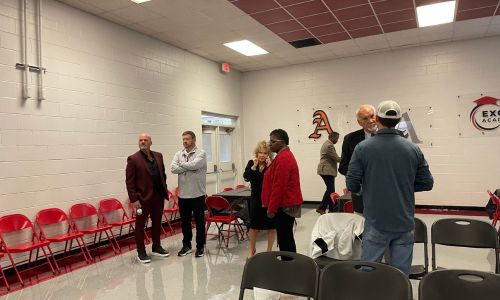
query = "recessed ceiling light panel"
x=435 y=14
x=246 y=47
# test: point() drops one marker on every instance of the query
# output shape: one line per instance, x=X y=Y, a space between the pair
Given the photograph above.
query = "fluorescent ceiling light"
x=139 y=1
x=246 y=47
x=434 y=14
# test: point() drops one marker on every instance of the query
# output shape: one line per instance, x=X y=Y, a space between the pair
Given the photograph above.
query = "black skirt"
x=258 y=216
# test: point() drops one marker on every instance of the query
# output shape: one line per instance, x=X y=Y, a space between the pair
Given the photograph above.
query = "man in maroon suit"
x=147 y=190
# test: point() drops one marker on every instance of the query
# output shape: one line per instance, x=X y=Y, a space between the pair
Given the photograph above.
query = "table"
x=238 y=199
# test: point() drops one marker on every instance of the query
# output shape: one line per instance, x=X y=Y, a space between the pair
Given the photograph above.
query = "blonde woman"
x=254 y=173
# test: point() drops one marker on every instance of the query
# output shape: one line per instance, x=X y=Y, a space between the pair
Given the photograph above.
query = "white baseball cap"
x=389 y=110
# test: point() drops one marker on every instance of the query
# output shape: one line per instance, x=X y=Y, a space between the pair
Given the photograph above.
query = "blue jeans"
x=400 y=245
x=330 y=188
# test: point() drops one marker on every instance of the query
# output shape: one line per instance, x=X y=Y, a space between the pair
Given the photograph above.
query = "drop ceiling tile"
x=285 y=26
x=135 y=14
x=254 y=6
x=392 y=5
x=341 y=4
x=318 y=20
x=144 y=29
x=350 y=43
x=398 y=35
x=475 y=13
x=85 y=6
x=360 y=23
x=427 y=2
x=345 y=52
x=109 y=5
x=115 y=19
x=470 y=4
x=397 y=16
x=326 y=29
x=354 y=12
x=442 y=28
x=332 y=38
x=291 y=2
x=473 y=23
x=365 y=32
x=391 y=27
x=307 y=9
x=295 y=35
x=403 y=40
x=472 y=31
x=494 y=30
x=379 y=40
x=271 y=16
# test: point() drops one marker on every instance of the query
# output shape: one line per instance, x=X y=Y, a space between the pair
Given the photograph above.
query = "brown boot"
x=320 y=211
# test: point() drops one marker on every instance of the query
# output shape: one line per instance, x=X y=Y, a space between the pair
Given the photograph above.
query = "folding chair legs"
x=4 y=278
x=17 y=271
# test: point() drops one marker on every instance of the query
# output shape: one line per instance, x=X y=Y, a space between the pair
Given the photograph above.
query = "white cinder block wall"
x=433 y=75
x=105 y=84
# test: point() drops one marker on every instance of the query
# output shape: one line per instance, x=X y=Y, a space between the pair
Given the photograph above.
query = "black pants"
x=330 y=188
x=284 y=231
x=155 y=211
x=188 y=207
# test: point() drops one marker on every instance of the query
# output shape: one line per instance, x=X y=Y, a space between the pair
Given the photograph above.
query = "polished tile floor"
x=217 y=275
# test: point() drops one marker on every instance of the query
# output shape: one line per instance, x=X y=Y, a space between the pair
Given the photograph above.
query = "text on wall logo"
x=321 y=120
x=486 y=114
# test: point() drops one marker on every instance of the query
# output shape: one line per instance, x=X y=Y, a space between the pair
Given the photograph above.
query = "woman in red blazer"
x=281 y=192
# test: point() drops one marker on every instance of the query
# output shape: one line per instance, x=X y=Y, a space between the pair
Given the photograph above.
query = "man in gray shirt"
x=190 y=164
x=389 y=169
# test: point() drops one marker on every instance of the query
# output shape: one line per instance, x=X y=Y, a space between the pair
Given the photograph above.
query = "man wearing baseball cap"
x=388 y=169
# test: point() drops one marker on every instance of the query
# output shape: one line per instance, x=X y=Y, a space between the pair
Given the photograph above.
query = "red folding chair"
x=496 y=214
x=91 y=223
x=219 y=203
x=113 y=213
x=345 y=191
x=348 y=208
x=3 y=274
x=54 y=216
x=240 y=186
x=172 y=210
x=228 y=189
x=334 y=197
x=11 y=224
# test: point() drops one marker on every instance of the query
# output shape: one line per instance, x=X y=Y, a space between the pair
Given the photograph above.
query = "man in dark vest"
x=365 y=115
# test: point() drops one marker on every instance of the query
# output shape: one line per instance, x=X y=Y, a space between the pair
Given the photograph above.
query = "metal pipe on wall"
x=39 y=48
x=24 y=24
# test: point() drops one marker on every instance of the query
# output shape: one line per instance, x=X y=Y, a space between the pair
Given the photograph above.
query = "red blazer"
x=281 y=186
x=140 y=186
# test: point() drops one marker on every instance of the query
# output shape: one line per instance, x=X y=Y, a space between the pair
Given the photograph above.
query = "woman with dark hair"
x=254 y=173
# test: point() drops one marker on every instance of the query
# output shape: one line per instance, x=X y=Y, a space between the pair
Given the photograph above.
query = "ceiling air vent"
x=305 y=43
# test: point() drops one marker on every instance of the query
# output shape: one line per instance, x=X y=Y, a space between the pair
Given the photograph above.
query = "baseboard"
x=442 y=208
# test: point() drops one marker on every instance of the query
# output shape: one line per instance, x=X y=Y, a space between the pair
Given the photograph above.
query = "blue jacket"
x=389 y=169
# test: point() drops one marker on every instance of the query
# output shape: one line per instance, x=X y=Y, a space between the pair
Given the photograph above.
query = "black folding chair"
x=459 y=285
x=418 y=271
x=464 y=233
x=281 y=271
x=361 y=280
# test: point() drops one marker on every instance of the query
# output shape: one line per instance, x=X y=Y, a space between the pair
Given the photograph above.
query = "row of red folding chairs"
x=78 y=213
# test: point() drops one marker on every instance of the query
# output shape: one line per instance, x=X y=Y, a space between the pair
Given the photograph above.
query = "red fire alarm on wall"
x=225 y=67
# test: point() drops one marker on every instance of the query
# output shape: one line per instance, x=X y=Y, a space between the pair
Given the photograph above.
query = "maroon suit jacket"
x=140 y=186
